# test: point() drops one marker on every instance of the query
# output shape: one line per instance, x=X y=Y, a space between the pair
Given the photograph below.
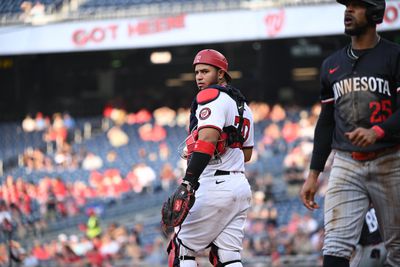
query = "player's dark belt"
x=219 y=172
x=366 y=156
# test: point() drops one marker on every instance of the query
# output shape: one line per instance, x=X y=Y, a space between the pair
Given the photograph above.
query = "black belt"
x=219 y=172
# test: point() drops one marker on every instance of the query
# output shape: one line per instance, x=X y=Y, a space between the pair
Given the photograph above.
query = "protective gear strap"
x=173 y=253
x=190 y=142
x=207 y=95
x=174 y=250
x=240 y=107
x=235 y=137
x=204 y=147
x=198 y=162
x=182 y=258
x=216 y=255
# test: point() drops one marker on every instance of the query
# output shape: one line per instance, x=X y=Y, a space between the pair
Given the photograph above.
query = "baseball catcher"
x=221 y=140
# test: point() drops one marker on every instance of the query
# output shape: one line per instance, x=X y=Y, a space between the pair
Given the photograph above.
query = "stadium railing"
x=97 y=10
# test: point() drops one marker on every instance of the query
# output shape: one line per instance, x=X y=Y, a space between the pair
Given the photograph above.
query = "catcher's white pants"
x=218 y=215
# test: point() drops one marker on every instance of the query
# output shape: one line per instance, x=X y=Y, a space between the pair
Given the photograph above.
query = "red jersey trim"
x=329 y=100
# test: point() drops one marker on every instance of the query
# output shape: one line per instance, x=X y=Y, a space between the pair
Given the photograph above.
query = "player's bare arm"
x=247 y=152
x=210 y=135
x=309 y=189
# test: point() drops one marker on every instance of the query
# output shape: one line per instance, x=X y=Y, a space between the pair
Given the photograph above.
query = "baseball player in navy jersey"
x=360 y=121
x=220 y=142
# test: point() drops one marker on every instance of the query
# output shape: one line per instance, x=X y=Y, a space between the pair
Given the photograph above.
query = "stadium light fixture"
x=161 y=57
x=187 y=76
x=235 y=74
x=173 y=83
x=304 y=74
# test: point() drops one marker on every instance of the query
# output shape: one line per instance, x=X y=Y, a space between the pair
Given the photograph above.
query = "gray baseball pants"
x=352 y=185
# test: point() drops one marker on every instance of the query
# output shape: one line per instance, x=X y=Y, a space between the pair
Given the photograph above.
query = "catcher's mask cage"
x=375 y=9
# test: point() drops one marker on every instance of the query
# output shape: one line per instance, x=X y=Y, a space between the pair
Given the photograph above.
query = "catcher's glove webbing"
x=176 y=208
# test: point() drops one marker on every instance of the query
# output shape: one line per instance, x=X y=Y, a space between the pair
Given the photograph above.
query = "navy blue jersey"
x=363 y=91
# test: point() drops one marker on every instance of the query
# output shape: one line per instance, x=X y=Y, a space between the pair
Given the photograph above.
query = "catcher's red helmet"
x=212 y=57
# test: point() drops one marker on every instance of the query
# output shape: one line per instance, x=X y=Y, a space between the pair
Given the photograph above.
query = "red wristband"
x=204 y=147
x=379 y=131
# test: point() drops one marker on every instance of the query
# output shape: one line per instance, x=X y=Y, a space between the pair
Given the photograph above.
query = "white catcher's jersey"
x=209 y=220
x=220 y=113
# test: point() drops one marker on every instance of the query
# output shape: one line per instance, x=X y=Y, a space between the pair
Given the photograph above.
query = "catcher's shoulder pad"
x=207 y=95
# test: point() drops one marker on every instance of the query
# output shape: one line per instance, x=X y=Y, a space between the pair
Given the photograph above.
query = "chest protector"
x=231 y=136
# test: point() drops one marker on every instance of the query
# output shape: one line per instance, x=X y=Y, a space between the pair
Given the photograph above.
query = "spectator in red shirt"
x=40 y=252
x=167 y=176
x=95 y=258
x=148 y=132
x=290 y=131
x=59 y=188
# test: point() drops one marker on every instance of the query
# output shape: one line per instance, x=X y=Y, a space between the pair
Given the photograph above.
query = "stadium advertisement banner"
x=185 y=29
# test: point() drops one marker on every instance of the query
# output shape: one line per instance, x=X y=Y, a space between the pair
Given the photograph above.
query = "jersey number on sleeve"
x=380 y=110
x=245 y=128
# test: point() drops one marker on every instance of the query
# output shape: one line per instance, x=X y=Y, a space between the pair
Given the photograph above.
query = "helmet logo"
x=198 y=58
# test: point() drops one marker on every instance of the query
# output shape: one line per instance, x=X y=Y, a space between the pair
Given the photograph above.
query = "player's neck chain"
x=352 y=55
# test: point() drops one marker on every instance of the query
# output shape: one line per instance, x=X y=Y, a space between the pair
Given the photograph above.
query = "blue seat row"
x=125 y=3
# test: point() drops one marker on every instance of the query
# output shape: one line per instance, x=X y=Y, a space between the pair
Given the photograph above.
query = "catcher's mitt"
x=176 y=208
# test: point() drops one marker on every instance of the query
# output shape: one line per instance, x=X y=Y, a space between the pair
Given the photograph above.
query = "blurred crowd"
x=57 y=134
x=283 y=133
x=116 y=243
x=301 y=235
x=31 y=10
x=123 y=243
